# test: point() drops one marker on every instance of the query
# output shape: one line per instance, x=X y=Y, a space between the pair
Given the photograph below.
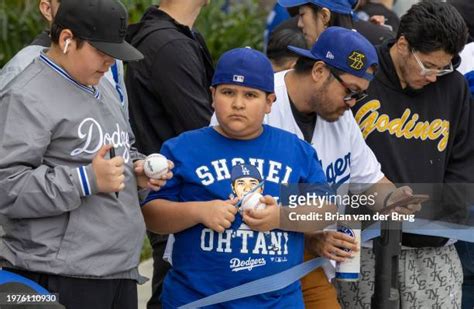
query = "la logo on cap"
x=329 y=55
x=238 y=78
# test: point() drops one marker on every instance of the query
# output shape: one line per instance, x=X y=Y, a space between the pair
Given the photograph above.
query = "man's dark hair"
x=287 y=33
x=56 y=33
x=304 y=65
x=432 y=25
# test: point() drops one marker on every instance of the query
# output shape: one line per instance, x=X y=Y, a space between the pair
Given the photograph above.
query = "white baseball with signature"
x=155 y=166
x=252 y=201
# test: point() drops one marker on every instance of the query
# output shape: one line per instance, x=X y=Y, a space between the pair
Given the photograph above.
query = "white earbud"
x=68 y=41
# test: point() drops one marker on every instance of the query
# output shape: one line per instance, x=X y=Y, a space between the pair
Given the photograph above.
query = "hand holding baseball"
x=109 y=174
x=265 y=219
x=155 y=183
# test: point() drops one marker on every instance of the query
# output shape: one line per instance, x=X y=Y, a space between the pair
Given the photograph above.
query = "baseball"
x=252 y=201
x=156 y=165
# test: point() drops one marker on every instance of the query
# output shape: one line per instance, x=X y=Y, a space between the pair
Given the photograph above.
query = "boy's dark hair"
x=56 y=32
x=432 y=25
x=285 y=34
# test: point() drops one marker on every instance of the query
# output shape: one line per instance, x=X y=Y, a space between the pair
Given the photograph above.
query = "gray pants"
x=429 y=278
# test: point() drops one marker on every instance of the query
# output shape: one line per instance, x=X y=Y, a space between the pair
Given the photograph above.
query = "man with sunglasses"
x=314 y=101
x=419 y=122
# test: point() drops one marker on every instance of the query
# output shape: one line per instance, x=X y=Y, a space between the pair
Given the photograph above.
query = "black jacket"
x=375 y=34
x=424 y=136
x=168 y=91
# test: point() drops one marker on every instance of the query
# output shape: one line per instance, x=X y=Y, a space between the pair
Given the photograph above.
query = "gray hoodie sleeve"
x=29 y=188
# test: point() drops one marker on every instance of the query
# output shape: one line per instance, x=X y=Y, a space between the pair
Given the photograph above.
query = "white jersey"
x=349 y=164
x=344 y=155
x=467 y=59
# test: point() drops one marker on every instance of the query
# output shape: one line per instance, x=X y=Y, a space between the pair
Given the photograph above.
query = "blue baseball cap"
x=244 y=170
x=338 y=6
x=244 y=67
x=343 y=49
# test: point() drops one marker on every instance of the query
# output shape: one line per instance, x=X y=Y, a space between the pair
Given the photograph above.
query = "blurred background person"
x=368 y=8
x=316 y=15
x=25 y=56
x=287 y=33
x=169 y=91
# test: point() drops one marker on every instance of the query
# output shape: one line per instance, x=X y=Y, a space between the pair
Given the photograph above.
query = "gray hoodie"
x=55 y=221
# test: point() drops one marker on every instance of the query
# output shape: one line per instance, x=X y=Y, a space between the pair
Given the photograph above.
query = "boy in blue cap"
x=194 y=205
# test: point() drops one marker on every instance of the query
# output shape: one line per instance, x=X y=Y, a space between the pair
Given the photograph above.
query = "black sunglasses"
x=351 y=94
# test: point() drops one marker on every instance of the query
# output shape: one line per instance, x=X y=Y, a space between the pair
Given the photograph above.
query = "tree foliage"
x=240 y=24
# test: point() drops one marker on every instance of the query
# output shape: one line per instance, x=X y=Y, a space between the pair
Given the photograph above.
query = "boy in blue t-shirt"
x=216 y=247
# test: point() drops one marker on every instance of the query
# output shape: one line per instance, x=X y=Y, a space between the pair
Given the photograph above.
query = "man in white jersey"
x=314 y=101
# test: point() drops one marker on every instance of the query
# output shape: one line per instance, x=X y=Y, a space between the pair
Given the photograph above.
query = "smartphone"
x=414 y=199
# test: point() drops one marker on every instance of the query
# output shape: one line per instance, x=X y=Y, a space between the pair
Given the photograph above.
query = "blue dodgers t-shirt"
x=206 y=262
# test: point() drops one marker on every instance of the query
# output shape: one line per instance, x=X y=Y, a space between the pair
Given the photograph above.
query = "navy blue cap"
x=245 y=170
x=338 y=6
x=343 y=49
x=244 y=67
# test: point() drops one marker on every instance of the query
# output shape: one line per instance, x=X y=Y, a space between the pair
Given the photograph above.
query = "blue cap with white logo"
x=338 y=6
x=244 y=67
x=245 y=170
x=343 y=49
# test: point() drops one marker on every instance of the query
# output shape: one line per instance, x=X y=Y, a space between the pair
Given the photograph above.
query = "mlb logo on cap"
x=239 y=78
